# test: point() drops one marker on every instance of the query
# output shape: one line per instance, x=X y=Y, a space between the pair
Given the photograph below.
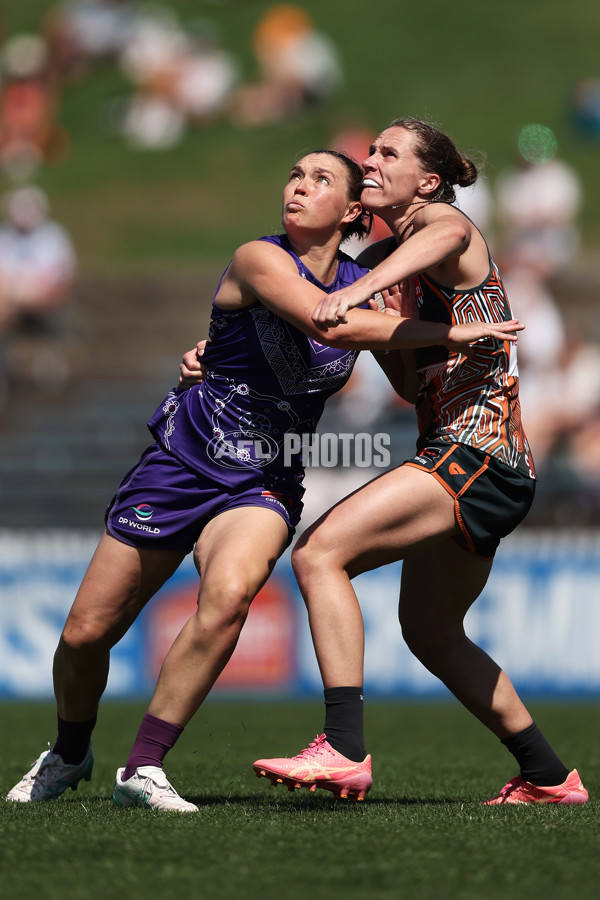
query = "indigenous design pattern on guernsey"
x=472 y=400
x=246 y=433
x=170 y=407
x=283 y=355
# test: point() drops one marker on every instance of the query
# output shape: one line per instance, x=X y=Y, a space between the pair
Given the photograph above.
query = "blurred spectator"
x=150 y=59
x=37 y=271
x=585 y=107
x=206 y=77
x=477 y=202
x=584 y=394
x=155 y=42
x=538 y=202
x=151 y=121
x=541 y=350
x=559 y=373
x=297 y=67
x=82 y=32
x=577 y=404
x=29 y=134
x=178 y=79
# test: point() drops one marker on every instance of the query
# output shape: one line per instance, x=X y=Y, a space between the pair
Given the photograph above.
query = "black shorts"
x=490 y=498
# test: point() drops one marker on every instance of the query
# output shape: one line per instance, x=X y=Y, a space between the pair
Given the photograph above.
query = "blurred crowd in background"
x=179 y=76
x=182 y=77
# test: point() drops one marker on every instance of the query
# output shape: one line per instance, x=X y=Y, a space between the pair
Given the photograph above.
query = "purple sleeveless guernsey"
x=266 y=379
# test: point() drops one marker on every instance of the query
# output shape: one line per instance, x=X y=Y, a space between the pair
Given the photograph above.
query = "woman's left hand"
x=192 y=370
x=401 y=299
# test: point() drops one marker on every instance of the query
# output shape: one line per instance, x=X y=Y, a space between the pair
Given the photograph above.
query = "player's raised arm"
x=262 y=271
x=437 y=237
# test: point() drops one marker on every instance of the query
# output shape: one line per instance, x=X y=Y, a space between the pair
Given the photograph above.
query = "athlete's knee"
x=418 y=640
x=311 y=556
x=430 y=640
x=87 y=634
x=304 y=563
x=224 y=600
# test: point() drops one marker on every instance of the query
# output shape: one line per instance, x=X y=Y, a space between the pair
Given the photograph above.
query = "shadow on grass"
x=325 y=802
x=298 y=801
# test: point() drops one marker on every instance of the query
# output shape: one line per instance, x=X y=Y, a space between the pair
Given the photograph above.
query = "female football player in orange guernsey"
x=444 y=511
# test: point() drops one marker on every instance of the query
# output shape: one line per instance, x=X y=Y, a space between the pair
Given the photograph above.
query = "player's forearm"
x=426 y=248
x=370 y=330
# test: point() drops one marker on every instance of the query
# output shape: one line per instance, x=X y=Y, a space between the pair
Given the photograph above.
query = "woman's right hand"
x=462 y=338
x=191 y=367
x=331 y=310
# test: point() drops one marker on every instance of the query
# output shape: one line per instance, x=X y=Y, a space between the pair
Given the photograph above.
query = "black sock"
x=73 y=740
x=537 y=760
x=344 y=721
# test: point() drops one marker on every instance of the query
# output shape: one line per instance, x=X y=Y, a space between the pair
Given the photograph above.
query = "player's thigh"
x=119 y=581
x=383 y=521
x=240 y=547
x=440 y=583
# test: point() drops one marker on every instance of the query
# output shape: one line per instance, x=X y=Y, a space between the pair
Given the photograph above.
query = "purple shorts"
x=163 y=505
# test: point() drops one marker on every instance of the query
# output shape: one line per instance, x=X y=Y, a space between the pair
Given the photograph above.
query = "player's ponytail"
x=468 y=172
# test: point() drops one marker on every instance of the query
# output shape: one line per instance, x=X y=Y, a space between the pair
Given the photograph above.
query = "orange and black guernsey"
x=471 y=400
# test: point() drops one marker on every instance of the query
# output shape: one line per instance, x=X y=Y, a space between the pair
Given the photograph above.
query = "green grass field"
x=421 y=833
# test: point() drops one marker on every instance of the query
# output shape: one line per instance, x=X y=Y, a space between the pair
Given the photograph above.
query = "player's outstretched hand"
x=462 y=337
x=192 y=370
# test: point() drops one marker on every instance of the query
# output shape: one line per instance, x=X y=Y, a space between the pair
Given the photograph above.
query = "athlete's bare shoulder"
x=469 y=265
x=233 y=292
x=256 y=247
x=259 y=254
x=435 y=211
